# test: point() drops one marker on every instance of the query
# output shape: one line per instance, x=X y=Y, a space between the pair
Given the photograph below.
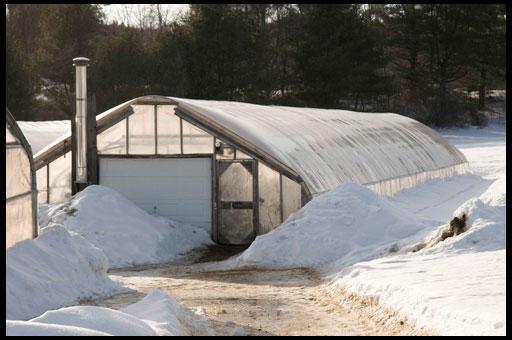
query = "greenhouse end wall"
x=20 y=193
x=155 y=131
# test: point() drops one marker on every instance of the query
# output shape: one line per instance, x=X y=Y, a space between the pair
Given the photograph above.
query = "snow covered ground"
x=484 y=148
x=127 y=234
x=55 y=269
x=156 y=314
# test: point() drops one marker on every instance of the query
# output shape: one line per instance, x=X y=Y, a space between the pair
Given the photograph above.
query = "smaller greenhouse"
x=20 y=185
x=239 y=170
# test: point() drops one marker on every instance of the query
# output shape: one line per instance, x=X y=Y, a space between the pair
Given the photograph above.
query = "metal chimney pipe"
x=80 y=65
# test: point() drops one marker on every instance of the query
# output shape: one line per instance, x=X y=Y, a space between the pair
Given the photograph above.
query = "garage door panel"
x=178 y=214
x=188 y=187
x=193 y=208
x=165 y=189
x=181 y=191
x=190 y=167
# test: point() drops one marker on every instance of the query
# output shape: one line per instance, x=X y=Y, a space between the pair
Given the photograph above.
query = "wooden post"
x=74 y=186
x=92 y=157
x=255 y=199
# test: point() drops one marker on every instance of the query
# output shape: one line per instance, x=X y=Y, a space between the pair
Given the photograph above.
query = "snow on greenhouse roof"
x=42 y=133
x=327 y=147
x=322 y=147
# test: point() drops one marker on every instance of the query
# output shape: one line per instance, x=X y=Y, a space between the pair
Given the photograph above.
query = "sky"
x=132 y=14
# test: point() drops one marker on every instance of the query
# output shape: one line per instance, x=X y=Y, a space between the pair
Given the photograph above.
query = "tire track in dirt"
x=261 y=302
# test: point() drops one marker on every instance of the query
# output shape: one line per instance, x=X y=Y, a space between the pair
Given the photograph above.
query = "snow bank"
x=156 y=314
x=127 y=234
x=100 y=319
x=53 y=270
x=485 y=225
x=461 y=294
x=438 y=198
x=350 y=223
x=455 y=287
x=25 y=328
x=167 y=316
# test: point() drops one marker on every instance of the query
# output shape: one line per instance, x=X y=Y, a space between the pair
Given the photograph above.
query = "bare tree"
x=161 y=14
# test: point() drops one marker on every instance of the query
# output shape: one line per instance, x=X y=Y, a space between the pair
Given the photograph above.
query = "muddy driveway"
x=246 y=301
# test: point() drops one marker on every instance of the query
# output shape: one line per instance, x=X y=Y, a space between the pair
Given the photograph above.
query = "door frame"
x=216 y=197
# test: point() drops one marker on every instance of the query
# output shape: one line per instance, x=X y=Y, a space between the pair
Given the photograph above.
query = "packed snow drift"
x=55 y=269
x=156 y=314
x=127 y=234
x=350 y=222
x=455 y=286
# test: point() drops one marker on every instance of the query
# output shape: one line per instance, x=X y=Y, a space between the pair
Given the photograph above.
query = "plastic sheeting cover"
x=17 y=172
x=43 y=133
x=19 y=213
x=326 y=147
x=291 y=197
x=196 y=140
x=269 y=192
x=9 y=137
x=60 y=179
x=42 y=184
x=141 y=130
x=18 y=220
x=112 y=141
x=168 y=130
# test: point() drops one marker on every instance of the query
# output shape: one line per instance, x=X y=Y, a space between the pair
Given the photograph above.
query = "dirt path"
x=261 y=302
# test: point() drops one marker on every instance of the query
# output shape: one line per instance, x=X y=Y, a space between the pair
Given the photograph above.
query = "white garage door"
x=177 y=188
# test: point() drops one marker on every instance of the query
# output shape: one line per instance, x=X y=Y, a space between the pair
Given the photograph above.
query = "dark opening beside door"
x=236 y=206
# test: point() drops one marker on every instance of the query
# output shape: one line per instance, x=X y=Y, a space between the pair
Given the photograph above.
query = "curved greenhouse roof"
x=319 y=147
x=326 y=147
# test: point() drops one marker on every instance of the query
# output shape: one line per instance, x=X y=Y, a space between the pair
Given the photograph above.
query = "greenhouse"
x=239 y=169
x=20 y=185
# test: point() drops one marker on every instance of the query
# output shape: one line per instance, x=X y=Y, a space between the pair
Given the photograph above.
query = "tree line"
x=404 y=58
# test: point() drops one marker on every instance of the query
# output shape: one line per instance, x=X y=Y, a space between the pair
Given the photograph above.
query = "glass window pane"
x=168 y=130
x=196 y=140
x=270 y=207
x=18 y=220
x=113 y=140
x=9 y=137
x=235 y=183
x=60 y=179
x=42 y=185
x=241 y=155
x=236 y=226
x=291 y=197
x=141 y=130
x=17 y=172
